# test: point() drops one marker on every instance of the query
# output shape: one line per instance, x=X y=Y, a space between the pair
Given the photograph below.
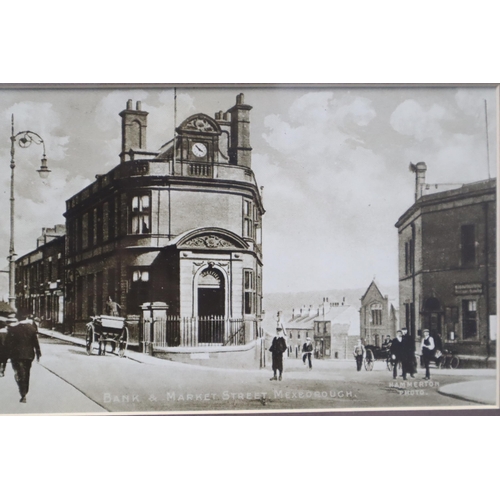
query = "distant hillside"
x=274 y=302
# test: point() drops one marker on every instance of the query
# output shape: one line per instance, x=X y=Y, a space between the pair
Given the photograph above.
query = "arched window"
x=376 y=314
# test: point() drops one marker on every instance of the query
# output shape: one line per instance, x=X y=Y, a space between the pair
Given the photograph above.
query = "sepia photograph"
x=248 y=249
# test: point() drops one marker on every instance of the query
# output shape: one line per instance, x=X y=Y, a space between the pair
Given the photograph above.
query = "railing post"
x=151 y=331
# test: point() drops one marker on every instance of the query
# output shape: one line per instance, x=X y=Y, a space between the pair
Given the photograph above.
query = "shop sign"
x=468 y=289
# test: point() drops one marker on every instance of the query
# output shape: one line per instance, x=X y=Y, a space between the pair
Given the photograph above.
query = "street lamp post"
x=24 y=138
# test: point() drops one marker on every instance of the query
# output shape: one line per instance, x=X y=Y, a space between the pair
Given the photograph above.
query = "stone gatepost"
x=152 y=315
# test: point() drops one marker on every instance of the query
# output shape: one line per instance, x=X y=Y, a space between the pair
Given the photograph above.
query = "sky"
x=333 y=163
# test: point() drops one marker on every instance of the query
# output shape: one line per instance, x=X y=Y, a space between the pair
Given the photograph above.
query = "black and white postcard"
x=248 y=249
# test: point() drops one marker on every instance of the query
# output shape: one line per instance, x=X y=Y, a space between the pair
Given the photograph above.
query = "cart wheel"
x=89 y=342
x=454 y=362
x=122 y=346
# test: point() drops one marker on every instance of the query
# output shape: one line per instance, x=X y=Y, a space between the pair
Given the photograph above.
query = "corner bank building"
x=181 y=226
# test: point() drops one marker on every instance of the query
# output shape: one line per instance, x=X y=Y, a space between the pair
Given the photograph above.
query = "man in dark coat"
x=396 y=353
x=4 y=355
x=408 y=355
x=22 y=345
x=278 y=347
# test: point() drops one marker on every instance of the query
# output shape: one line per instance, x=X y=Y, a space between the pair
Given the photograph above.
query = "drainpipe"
x=414 y=325
x=487 y=283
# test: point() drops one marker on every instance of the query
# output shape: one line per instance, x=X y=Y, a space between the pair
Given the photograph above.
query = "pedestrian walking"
x=307 y=349
x=396 y=352
x=278 y=347
x=359 y=354
x=4 y=355
x=22 y=345
x=427 y=349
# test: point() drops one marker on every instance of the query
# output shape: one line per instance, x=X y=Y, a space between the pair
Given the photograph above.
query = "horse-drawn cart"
x=102 y=330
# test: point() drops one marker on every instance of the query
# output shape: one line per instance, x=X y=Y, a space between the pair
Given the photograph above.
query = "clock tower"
x=198 y=143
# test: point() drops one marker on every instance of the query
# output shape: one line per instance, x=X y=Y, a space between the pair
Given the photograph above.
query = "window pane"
x=145 y=202
x=468 y=244
x=469 y=319
x=135 y=203
x=135 y=224
x=145 y=224
x=248 y=303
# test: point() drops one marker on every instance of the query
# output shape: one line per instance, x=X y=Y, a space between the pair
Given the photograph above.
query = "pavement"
x=476 y=391
x=68 y=396
x=136 y=356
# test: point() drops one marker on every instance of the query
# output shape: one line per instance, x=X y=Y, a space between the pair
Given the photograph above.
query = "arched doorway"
x=211 y=306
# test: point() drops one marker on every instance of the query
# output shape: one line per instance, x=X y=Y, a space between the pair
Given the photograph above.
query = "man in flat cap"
x=22 y=345
x=278 y=347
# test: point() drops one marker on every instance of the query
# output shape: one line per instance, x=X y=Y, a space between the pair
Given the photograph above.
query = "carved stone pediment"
x=200 y=123
x=208 y=241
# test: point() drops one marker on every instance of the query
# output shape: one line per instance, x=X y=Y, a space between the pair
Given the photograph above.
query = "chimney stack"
x=134 y=125
x=240 y=152
x=420 y=168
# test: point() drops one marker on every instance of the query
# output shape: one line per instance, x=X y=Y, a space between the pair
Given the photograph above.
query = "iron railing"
x=176 y=331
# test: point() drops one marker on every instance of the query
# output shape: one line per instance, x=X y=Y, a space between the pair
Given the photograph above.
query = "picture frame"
x=332 y=160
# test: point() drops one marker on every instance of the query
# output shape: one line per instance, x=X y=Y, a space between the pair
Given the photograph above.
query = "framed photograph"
x=248 y=249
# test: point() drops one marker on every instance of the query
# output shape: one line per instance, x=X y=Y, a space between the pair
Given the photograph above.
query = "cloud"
x=470 y=103
x=411 y=119
x=326 y=193
x=450 y=136
x=108 y=109
x=319 y=124
x=161 y=117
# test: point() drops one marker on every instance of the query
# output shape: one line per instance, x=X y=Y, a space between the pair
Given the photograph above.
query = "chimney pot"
x=129 y=104
x=138 y=106
x=240 y=99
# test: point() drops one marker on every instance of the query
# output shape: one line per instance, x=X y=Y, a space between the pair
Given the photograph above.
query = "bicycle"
x=448 y=360
x=390 y=363
x=368 y=361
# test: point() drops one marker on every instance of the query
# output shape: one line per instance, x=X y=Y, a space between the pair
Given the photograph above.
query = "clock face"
x=199 y=149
